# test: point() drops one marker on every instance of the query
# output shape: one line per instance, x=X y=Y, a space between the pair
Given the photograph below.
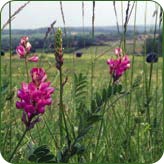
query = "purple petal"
x=41 y=110
x=19 y=105
x=29 y=109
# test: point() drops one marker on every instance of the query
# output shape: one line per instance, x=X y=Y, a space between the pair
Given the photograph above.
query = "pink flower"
x=118 y=66
x=21 y=51
x=38 y=75
x=24 y=40
x=125 y=62
x=34 y=97
x=24 y=47
x=118 y=51
x=33 y=100
x=28 y=47
x=34 y=58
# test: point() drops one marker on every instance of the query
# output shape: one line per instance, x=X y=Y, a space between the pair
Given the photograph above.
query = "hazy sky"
x=42 y=14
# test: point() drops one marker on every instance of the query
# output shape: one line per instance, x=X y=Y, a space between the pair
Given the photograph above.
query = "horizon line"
x=142 y=25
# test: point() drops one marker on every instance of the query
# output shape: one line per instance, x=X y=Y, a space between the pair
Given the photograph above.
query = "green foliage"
x=80 y=87
x=42 y=154
x=118 y=141
x=104 y=96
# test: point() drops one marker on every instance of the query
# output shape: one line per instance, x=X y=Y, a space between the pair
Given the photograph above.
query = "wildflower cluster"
x=119 y=65
x=24 y=49
x=34 y=96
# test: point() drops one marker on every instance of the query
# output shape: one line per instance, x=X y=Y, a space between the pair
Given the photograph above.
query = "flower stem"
x=61 y=113
x=12 y=155
x=61 y=107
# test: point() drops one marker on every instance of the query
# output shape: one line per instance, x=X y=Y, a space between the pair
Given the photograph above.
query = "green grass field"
x=124 y=134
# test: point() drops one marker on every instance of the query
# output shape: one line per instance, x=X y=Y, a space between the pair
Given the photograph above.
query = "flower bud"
x=21 y=51
x=58 y=49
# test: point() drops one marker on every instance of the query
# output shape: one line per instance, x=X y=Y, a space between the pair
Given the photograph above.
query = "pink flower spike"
x=34 y=58
x=118 y=66
x=21 y=51
x=118 y=51
x=34 y=97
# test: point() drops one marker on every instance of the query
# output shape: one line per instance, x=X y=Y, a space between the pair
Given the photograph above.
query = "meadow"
x=128 y=127
x=105 y=106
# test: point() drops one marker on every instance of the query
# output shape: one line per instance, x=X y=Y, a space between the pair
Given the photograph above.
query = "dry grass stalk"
x=115 y=11
x=126 y=18
x=14 y=14
x=93 y=19
x=49 y=29
x=62 y=13
x=160 y=16
x=83 y=15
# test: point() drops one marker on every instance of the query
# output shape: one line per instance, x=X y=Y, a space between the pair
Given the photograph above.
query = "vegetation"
x=114 y=118
x=104 y=105
x=75 y=38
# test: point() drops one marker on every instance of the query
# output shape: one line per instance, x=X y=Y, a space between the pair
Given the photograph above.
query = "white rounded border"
x=3 y=161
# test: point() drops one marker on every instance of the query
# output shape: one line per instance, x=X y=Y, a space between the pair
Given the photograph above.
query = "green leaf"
x=109 y=93
x=53 y=161
x=104 y=94
x=41 y=148
x=80 y=85
x=98 y=99
x=93 y=106
x=114 y=89
x=46 y=158
x=42 y=152
x=80 y=94
x=94 y=118
x=32 y=158
x=83 y=132
x=137 y=81
x=59 y=156
x=79 y=148
x=119 y=88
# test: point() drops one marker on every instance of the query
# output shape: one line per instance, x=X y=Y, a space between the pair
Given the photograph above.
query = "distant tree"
x=154 y=45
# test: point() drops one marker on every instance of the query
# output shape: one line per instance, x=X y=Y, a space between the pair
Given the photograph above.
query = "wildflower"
x=28 y=47
x=25 y=43
x=34 y=97
x=38 y=75
x=21 y=51
x=118 y=51
x=118 y=66
x=24 y=40
x=34 y=58
x=24 y=49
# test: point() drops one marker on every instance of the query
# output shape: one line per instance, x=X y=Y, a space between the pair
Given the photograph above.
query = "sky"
x=39 y=14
